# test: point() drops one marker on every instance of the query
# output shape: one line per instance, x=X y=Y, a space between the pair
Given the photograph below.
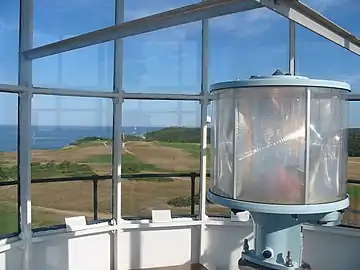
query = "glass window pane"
x=72 y=139
x=352 y=214
x=312 y=51
x=9 y=45
x=58 y=18
x=164 y=61
x=135 y=9
x=339 y=12
x=316 y=57
x=160 y=137
x=8 y=164
x=247 y=43
x=89 y=68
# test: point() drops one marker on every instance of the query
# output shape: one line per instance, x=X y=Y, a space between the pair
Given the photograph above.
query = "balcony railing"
x=351 y=217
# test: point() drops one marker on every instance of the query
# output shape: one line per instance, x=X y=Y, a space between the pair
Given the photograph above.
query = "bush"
x=88 y=140
x=8 y=173
x=163 y=179
x=176 y=134
x=131 y=164
x=184 y=201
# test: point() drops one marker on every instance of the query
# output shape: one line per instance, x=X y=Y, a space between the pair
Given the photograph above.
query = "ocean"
x=48 y=137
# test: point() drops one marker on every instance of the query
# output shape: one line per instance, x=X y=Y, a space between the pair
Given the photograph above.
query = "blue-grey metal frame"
x=295 y=11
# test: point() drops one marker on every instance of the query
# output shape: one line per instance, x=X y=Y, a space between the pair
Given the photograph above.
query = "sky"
x=169 y=60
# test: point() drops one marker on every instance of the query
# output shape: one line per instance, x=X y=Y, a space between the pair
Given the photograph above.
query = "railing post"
x=192 y=190
x=95 y=198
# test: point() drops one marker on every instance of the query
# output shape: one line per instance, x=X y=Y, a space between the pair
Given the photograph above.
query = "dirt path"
x=69 y=213
x=356 y=162
x=127 y=150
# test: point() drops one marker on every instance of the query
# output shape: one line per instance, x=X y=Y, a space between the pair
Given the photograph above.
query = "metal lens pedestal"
x=278 y=231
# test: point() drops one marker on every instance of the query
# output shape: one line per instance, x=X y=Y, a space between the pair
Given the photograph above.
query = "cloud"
x=135 y=9
x=178 y=33
x=258 y=21
x=323 y=5
x=74 y=5
x=352 y=79
x=245 y=24
x=136 y=13
x=6 y=26
x=240 y=24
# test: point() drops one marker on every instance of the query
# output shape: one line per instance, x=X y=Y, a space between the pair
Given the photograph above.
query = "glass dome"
x=280 y=140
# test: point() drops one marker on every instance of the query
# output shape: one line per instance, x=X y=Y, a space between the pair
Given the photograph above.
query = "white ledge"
x=10 y=243
x=144 y=224
x=14 y=242
x=212 y=221
x=88 y=230
x=333 y=230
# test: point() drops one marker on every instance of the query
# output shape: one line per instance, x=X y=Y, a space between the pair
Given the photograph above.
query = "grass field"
x=52 y=202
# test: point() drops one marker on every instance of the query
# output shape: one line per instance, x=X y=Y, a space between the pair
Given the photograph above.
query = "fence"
x=191 y=175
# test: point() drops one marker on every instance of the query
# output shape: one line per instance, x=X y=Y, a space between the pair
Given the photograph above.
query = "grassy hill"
x=193 y=135
x=177 y=134
x=52 y=202
x=161 y=151
x=354 y=142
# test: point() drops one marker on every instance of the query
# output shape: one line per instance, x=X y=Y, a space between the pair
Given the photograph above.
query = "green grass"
x=99 y=159
x=192 y=148
x=65 y=168
x=130 y=163
x=183 y=201
x=176 y=134
x=163 y=179
x=9 y=218
x=48 y=170
x=88 y=141
x=354 y=191
x=8 y=173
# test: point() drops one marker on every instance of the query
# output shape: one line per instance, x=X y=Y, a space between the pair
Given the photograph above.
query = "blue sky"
x=241 y=45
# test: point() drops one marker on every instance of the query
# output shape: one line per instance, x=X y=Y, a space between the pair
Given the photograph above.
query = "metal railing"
x=96 y=178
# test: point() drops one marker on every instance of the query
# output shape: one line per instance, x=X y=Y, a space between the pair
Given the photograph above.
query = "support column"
x=24 y=131
x=117 y=136
x=204 y=127
x=291 y=47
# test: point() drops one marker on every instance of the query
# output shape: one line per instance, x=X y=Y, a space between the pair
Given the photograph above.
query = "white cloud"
x=323 y=5
x=352 y=79
x=258 y=21
x=240 y=24
x=7 y=26
x=74 y=4
x=244 y=24
x=136 y=13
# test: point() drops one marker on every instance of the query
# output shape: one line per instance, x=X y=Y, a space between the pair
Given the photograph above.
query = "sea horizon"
x=57 y=137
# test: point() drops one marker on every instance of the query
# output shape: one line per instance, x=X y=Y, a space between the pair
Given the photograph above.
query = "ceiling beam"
x=174 y=17
x=314 y=21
